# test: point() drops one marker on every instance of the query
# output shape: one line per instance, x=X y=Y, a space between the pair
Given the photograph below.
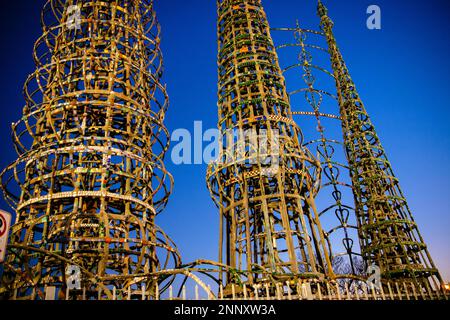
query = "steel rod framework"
x=314 y=105
x=389 y=236
x=269 y=221
x=90 y=177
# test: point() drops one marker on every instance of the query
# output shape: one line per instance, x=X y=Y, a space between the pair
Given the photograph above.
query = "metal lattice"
x=389 y=236
x=269 y=222
x=90 y=177
x=90 y=180
x=315 y=106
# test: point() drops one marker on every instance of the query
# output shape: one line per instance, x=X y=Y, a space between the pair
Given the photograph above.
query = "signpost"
x=5 y=224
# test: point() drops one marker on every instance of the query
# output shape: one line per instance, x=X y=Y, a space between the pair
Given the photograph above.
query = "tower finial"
x=321 y=9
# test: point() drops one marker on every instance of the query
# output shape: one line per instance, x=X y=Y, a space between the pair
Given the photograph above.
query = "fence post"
x=319 y=291
x=406 y=291
x=399 y=291
x=299 y=290
x=338 y=291
x=365 y=289
x=184 y=293
x=355 y=287
x=233 y=290
x=278 y=291
x=421 y=292
x=372 y=290
x=430 y=292
x=329 y=292
x=221 y=291
x=196 y=292
x=267 y=291
x=289 y=290
x=414 y=291
x=255 y=287
x=114 y=294
x=390 y=291
x=157 y=291
x=347 y=291
x=310 y=295
x=143 y=288
x=245 y=291
x=382 y=292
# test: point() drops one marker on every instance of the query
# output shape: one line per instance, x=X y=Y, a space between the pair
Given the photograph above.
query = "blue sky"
x=401 y=71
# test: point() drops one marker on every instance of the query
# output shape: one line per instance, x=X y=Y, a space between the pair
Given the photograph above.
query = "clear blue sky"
x=402 y=73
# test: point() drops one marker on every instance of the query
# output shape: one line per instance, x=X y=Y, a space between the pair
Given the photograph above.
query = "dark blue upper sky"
x=401 y=71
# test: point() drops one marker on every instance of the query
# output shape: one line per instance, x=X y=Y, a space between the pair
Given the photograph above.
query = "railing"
x=356 y=290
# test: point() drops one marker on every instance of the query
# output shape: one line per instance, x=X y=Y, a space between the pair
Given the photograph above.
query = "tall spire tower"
x=90 y=178
x=389 y=236
x=269 y=222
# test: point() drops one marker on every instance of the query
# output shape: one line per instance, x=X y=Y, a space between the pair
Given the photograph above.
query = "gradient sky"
x=402 y=73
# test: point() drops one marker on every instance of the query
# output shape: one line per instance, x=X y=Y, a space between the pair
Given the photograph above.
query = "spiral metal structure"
x=90 y=178
x=389 y=236
x=315 y=104
x=269 y=223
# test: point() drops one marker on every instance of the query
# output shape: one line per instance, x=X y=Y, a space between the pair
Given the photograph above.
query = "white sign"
x=5 y=224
